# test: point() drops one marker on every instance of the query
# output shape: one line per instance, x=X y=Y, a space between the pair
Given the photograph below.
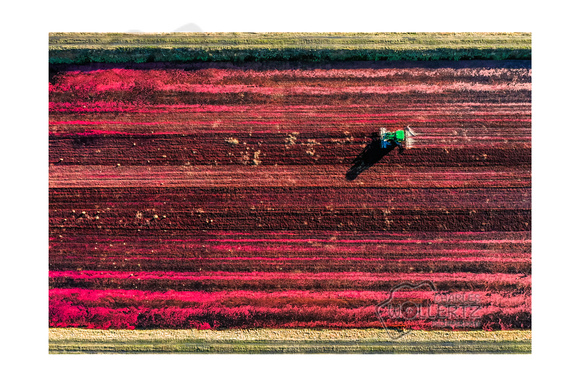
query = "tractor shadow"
x=371 y=155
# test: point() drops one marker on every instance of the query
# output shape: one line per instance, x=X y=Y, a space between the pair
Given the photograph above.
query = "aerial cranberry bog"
x=226 y=193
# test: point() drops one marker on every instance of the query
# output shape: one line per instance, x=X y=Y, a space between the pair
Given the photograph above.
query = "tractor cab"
x=397 y=138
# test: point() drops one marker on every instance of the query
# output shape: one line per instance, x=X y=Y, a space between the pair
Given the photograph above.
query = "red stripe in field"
x=259 y=82
x=365 y=241
x=65 y=311
x=257 y=276
x=290 y=111
x=330 y=236
x=401 y=258
x=122 y=77
x=231 y=89
x=120 y=297
x=119 y=123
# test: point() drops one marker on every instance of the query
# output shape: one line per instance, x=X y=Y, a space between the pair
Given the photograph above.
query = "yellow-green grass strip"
x=240 y=47
x=74 y=340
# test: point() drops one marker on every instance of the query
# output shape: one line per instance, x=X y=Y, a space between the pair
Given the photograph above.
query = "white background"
x=24 y=215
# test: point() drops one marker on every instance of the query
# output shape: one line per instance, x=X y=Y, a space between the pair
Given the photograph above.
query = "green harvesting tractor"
x=379 y=147
x=400 y=138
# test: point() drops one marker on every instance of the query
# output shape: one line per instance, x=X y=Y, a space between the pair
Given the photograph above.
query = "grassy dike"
x=74 y=340
x=81 y=48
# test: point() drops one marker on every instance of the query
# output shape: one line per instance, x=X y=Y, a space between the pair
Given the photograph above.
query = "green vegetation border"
x=81 y=48
x=75 y=340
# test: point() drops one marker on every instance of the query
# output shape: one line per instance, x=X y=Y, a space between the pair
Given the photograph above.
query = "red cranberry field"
x=254 y=195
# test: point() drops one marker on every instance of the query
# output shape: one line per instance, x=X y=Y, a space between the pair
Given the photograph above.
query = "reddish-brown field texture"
x=254 y=195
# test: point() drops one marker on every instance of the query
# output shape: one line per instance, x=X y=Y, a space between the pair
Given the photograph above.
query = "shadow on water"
x=371 y=155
